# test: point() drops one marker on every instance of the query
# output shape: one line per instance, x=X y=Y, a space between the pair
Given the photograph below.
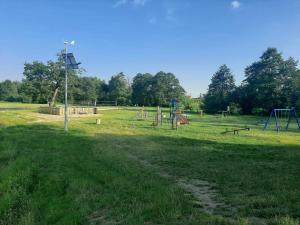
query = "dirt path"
x=101 y=217
x=204 y=193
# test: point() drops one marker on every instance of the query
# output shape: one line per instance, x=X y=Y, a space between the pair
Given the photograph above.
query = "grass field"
x=124 y=171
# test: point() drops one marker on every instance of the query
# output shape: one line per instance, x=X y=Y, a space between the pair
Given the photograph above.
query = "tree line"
x=270 y=82
x=45 y=82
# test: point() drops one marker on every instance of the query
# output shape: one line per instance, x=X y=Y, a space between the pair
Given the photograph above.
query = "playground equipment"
x=200 y=112
x=176 y=117
x=282 y=117
x=142 y=114
x=98 y=121
x=236 y=130
x=158 y=117
x=225 y=113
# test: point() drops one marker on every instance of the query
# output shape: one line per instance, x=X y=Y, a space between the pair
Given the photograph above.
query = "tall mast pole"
x=66 y=88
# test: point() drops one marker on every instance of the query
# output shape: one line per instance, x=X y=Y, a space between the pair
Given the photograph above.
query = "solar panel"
x=70 y=61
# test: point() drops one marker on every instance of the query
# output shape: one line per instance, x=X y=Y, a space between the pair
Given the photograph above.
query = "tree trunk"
x=54 y=97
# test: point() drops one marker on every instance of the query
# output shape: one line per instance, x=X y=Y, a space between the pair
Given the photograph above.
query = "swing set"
x=283 y=117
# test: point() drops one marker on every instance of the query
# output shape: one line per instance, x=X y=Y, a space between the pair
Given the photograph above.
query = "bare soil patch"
x=204 y=193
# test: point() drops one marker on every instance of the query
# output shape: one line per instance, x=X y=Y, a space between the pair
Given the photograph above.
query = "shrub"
x=235 y=109
x=258 y=111
x=26 y=99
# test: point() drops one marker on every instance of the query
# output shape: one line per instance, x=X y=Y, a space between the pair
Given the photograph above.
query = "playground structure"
x=225 y=113
x=200 y=112
x=283 y=117
x=158 y=117
x=176 y=117
x=142 y=114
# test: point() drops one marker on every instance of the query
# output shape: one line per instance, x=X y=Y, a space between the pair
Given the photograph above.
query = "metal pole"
x=267 y=122
x=66 y=88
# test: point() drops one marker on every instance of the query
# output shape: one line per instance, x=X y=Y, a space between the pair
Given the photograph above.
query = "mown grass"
x=19 y=105
x=89 y=176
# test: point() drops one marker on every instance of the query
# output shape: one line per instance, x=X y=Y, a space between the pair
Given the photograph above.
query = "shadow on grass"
x=50 y=177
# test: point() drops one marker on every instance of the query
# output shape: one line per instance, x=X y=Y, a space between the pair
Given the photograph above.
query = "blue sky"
x=190 y=38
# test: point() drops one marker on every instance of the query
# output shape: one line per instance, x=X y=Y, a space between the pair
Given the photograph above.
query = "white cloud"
x=139 y=2
x=235 y=4
x=133 y=2
x=119 y=3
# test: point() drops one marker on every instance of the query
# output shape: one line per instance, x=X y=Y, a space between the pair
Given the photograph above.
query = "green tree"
x=268 y=83
x=119 y=89
x=295 y=96
x=9 y=90
x=102 y=91
x=56 y=78
x=36 y=83
x=189 y=103
x=165 y=87
x=86 y=90
x=290 y=78
x=43 y=82
x=220 y=91
x=141 y=89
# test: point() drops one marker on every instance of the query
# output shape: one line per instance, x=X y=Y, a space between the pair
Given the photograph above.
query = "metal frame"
x=292 y=113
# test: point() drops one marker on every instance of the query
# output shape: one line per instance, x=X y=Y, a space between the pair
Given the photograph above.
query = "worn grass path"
x=127 y=172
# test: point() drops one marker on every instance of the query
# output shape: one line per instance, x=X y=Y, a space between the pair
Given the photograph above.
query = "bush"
x=258 y=111
x=191 y=104
x=235 y=109
x=26 y=99
x=123 y=101
x=14 y=99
